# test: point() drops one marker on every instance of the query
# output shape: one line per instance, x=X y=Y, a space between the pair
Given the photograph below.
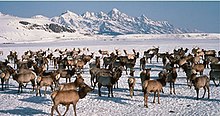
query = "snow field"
x=183 y=103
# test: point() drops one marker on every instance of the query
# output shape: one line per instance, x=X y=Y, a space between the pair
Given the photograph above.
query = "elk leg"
x=157 y=58
x=56 y=108
x=132 y=91
x=158 y=95
x=33 y=84
x=69 y=79
x=47 y=66
x=174 y=89
x=74 y=107
x=208 y=92
x=52 y=109
x=94 y=85
x=2 y=81
x=99 y=87
x=154 y=97
x=145 y=99
x=197 y=92
x=204 y=92
x=67 y=108
x=111 y=88
x=92 y=80
x=38 y=90
x=170 y=88
x=51 y=86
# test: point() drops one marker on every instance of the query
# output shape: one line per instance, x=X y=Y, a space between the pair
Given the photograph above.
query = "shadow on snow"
x=24 y=111
x=36 y=99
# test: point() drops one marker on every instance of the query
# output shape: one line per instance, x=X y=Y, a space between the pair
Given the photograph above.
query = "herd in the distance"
x=106 y=68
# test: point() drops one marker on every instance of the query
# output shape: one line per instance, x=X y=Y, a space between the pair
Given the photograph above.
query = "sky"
x=200 y=15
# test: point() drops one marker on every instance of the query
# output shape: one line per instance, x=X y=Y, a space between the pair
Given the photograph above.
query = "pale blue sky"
x=204 y=16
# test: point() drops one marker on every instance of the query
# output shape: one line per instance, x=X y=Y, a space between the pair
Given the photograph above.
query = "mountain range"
x=70 y=24
x=115 y=22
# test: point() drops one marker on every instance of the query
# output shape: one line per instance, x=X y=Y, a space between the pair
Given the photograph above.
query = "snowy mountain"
x=69 y=26
x=115 y=22
x=35 y=28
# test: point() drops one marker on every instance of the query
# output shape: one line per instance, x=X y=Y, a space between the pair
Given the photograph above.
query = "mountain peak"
x=67 y=12
x=115 y=14
x=114 y=11
x=143 y=16
x=88 y=14
x=70 y=15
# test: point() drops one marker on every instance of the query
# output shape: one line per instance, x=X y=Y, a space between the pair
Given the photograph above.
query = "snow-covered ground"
x=183 y=103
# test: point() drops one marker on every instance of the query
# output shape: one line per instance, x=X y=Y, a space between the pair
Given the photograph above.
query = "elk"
x=71 y=97
x=48 y=80
x=94 y=71
x=4 y=75
x=151 y=86
x=5 y=72
x=200 y=82
x=171 y=78
x=131 y=83
x=108 y=79
x=188 y=70
x=24 y=77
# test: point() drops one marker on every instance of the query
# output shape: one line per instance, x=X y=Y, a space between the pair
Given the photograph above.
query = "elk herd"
x=45 y=68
